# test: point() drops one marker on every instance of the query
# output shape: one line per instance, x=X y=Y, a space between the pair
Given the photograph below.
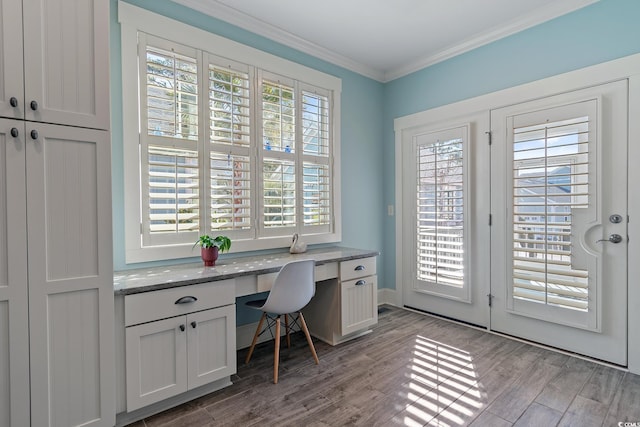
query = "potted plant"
x=211 y=246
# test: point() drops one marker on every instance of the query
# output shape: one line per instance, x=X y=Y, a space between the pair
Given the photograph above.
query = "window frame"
x=134 y=20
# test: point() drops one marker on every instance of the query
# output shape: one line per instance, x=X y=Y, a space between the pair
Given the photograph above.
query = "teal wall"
x=598 y=33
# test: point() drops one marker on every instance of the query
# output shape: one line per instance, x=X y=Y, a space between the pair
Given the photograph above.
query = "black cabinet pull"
x=359 y=268
x=194 y=324
x=14 y=132
x=186 y=300
x=182 y=328
x=13 y=101
x=34 y=134
x=33 y=105
x=361 y=282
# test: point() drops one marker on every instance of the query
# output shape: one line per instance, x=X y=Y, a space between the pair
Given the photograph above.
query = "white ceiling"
x=385 y=39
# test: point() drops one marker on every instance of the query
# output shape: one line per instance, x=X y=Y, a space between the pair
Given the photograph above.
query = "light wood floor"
x=416 y=370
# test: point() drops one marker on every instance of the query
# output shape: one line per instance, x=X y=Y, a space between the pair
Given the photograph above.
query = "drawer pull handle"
x=361 y=282
x=186 y=300
x=194 y=324
x=359 y=268
x=182 y=328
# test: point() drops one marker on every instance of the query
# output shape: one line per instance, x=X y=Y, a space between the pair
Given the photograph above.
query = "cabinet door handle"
x=361 y=282
x=34 y=105
x=194 y=324
x=182 y=328
x=34 y=134
x=359 y=268
x=14 y=132
x=13 y=101
x=186 y=300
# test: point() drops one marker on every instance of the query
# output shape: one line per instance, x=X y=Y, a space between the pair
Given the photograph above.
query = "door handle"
x=614 y=238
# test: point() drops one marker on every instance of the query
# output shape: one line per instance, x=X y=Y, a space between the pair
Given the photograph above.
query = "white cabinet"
x=169 y=356
x=56 y=269
x=344 y=309
x=14 y=320
x=61 y=76
x=56 y=230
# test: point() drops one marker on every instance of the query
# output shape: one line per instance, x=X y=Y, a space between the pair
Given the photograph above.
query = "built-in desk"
x=176 y=328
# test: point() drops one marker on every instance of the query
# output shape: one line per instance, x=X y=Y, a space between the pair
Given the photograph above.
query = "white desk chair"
x=292 y=289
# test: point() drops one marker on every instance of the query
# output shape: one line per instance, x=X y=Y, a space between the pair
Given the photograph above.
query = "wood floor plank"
x=561 y=390
x=625 y=406
x=487 y=419
x=602 y=384
x=538 y=415
x=585 y=413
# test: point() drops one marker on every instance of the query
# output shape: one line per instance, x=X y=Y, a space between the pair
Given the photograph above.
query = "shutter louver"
x=550 y=181
x=169 y=144
x=317 y=196
x=440 y=213
x=172 y=94
x=315 y=124
x=230 y=166
x=230 y=192
x=173 y=190
x=279 y=183
x=278 y=117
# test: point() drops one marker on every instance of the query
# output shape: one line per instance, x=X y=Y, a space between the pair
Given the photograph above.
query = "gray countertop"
x=155 y=278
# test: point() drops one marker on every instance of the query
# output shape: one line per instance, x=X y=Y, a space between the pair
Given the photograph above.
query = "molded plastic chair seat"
x=292 y=290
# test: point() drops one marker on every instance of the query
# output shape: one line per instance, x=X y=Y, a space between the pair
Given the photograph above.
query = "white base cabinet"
x=346 y=308
x=169 y=356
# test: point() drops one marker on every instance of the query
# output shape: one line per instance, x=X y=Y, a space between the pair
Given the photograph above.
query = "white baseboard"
x=387 y=296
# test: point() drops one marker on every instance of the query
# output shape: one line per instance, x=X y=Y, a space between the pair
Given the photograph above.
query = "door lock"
x=614 y=238
x=615 y=219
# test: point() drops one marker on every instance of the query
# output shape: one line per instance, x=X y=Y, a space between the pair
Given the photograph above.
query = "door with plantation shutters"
x=446 y=226
x=559 y=233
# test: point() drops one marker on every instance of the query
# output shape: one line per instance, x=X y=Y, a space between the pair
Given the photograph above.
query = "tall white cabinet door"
x=11 y=73
x=211 y=345
x=70 y=276
x=156 y=361
x=66 y=56
x=14 y=330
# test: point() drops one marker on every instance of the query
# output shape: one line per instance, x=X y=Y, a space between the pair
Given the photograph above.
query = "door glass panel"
x=440 y=212
x=550 y=184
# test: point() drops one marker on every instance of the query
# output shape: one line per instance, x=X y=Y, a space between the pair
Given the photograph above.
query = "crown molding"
x=553 y=10
x=233 y=16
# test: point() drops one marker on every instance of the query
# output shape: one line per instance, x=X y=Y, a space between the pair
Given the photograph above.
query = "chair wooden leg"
x=306 y=333
x=286 y=326
x=276 y=353
x=255 y=338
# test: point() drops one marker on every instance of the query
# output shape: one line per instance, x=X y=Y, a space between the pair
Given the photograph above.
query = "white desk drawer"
x=155 y=305
x=357 y=268
x=322 y=272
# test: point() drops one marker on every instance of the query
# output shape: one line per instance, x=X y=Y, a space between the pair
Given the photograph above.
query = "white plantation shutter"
x=168 y=142
x=230 y=148
x=279 y=175
x=279 y=193
x=550 y=185
x=440 y=205
x=316 y=172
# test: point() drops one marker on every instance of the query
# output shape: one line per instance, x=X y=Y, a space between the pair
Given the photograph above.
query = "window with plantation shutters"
x=230 y=148
x=316 y=173
x=550 y=187
x=226 y=146
x=440 y=212
x=169 y=141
